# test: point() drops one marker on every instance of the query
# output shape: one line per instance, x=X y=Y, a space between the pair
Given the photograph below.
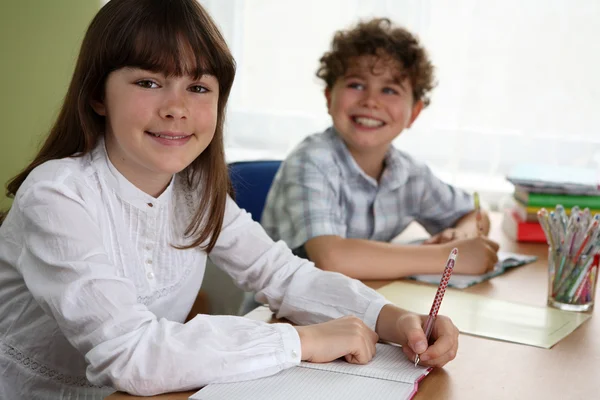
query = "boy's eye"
x=388 y=90
x=198 y=89
x=356 y=85
x=147 y=84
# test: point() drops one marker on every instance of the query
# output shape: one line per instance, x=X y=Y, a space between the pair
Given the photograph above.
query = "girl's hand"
x=476 y=255
x=346 y=337
x=444 y=339
x=406 y=328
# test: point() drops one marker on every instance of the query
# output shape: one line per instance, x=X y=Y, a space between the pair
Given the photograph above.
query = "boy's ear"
x=416 y=110
x=328 y=97
x=98 y=106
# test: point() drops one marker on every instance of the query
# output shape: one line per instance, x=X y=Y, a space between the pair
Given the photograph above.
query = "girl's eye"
x=198 y=89
x=147 y=84
x=388 y=90
x=356 y=85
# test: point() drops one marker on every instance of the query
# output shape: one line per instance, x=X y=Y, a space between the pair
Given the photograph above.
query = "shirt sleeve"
x=293 y=287
x=441 y=204
x=69 y=273
x=305 y=203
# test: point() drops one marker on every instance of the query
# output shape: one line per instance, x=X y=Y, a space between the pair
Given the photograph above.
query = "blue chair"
x=251 y=182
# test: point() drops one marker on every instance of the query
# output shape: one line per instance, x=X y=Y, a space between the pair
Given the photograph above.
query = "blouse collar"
x=122 y=187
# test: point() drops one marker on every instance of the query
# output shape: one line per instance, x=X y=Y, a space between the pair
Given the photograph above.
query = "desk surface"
x=490 y=369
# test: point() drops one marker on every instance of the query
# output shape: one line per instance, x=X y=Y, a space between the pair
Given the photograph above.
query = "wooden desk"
x=490 y=369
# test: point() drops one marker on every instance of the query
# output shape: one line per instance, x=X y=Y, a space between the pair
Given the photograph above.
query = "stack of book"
x=545 y=186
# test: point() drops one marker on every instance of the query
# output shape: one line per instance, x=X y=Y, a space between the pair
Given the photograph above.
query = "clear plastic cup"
x=572 y=281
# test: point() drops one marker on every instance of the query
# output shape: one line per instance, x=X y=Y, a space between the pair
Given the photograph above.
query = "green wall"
x=39 y=42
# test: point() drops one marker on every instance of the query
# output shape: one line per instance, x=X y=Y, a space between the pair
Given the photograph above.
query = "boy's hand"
x=406 y=328
x=346 y=337
x=449 y=235
x=476 y=255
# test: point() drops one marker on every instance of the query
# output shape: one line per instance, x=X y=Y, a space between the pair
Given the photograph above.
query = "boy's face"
x=370 y=106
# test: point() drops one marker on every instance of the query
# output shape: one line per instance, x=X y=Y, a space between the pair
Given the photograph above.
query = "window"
x=518 y=81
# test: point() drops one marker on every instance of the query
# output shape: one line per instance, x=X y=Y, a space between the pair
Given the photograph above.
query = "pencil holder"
x=571 y=280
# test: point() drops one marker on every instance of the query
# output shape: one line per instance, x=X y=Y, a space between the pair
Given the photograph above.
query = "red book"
x=521 y=231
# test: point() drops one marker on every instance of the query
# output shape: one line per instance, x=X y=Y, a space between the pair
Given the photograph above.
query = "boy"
x=342 y=195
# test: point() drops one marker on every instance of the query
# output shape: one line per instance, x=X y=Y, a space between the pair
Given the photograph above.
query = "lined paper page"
x=389 y=363
x=305 y=383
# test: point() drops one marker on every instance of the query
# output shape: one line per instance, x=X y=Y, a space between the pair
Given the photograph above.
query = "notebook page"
x=389 y=363
x=308 y=384
x=460 y=281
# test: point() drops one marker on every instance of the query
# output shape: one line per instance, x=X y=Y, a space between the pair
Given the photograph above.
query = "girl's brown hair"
x=379 y=38
x=155 y=35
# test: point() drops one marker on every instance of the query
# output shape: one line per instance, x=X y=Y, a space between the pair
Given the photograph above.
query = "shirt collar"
x=122 y=187
x=396 y=170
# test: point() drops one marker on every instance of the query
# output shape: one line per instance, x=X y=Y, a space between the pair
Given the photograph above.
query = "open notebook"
x=506 y=260
x=389 y=376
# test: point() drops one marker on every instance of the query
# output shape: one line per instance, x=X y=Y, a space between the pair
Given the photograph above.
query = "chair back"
x=251 y=182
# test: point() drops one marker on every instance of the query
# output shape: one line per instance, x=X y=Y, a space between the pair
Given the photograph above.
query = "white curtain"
x=519 y=81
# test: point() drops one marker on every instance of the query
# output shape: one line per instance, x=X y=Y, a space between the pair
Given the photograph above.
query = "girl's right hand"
x=476 y=255
x=347 y=336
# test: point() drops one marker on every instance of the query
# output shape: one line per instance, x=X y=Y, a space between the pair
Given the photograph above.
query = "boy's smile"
x=367 y=121
x=370 y=105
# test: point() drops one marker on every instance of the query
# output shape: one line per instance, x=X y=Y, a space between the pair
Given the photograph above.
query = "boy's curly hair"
x=378 y=37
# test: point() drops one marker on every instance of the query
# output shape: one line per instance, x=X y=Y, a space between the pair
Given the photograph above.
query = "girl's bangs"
x=164 y=39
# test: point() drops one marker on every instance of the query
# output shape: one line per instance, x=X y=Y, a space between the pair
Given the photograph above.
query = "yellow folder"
x=483 y=316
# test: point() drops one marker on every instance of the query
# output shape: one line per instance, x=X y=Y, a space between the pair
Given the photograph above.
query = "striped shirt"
x=320 y=190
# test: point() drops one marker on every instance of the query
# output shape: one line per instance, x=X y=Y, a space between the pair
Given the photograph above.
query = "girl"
x=104 y=249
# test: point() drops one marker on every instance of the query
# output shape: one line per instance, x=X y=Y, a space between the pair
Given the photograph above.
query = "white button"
x=148 y=247
x=294 y=354
x=148 y=261
x=150 y=275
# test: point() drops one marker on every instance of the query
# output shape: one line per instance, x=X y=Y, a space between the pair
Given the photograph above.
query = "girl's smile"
x=170 y=138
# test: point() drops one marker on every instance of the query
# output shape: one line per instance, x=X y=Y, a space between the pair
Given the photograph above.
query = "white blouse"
x=93 y=296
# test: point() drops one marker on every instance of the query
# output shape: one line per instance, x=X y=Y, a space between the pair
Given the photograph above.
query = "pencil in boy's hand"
x=439 y=296
x=478 y=213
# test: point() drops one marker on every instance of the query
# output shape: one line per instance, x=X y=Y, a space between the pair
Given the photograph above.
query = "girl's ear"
x=98 y=107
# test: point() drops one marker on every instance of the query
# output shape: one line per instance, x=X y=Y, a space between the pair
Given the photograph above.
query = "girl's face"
x=157 y=125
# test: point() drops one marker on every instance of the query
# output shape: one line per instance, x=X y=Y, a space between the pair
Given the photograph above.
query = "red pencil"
x=439 y=296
